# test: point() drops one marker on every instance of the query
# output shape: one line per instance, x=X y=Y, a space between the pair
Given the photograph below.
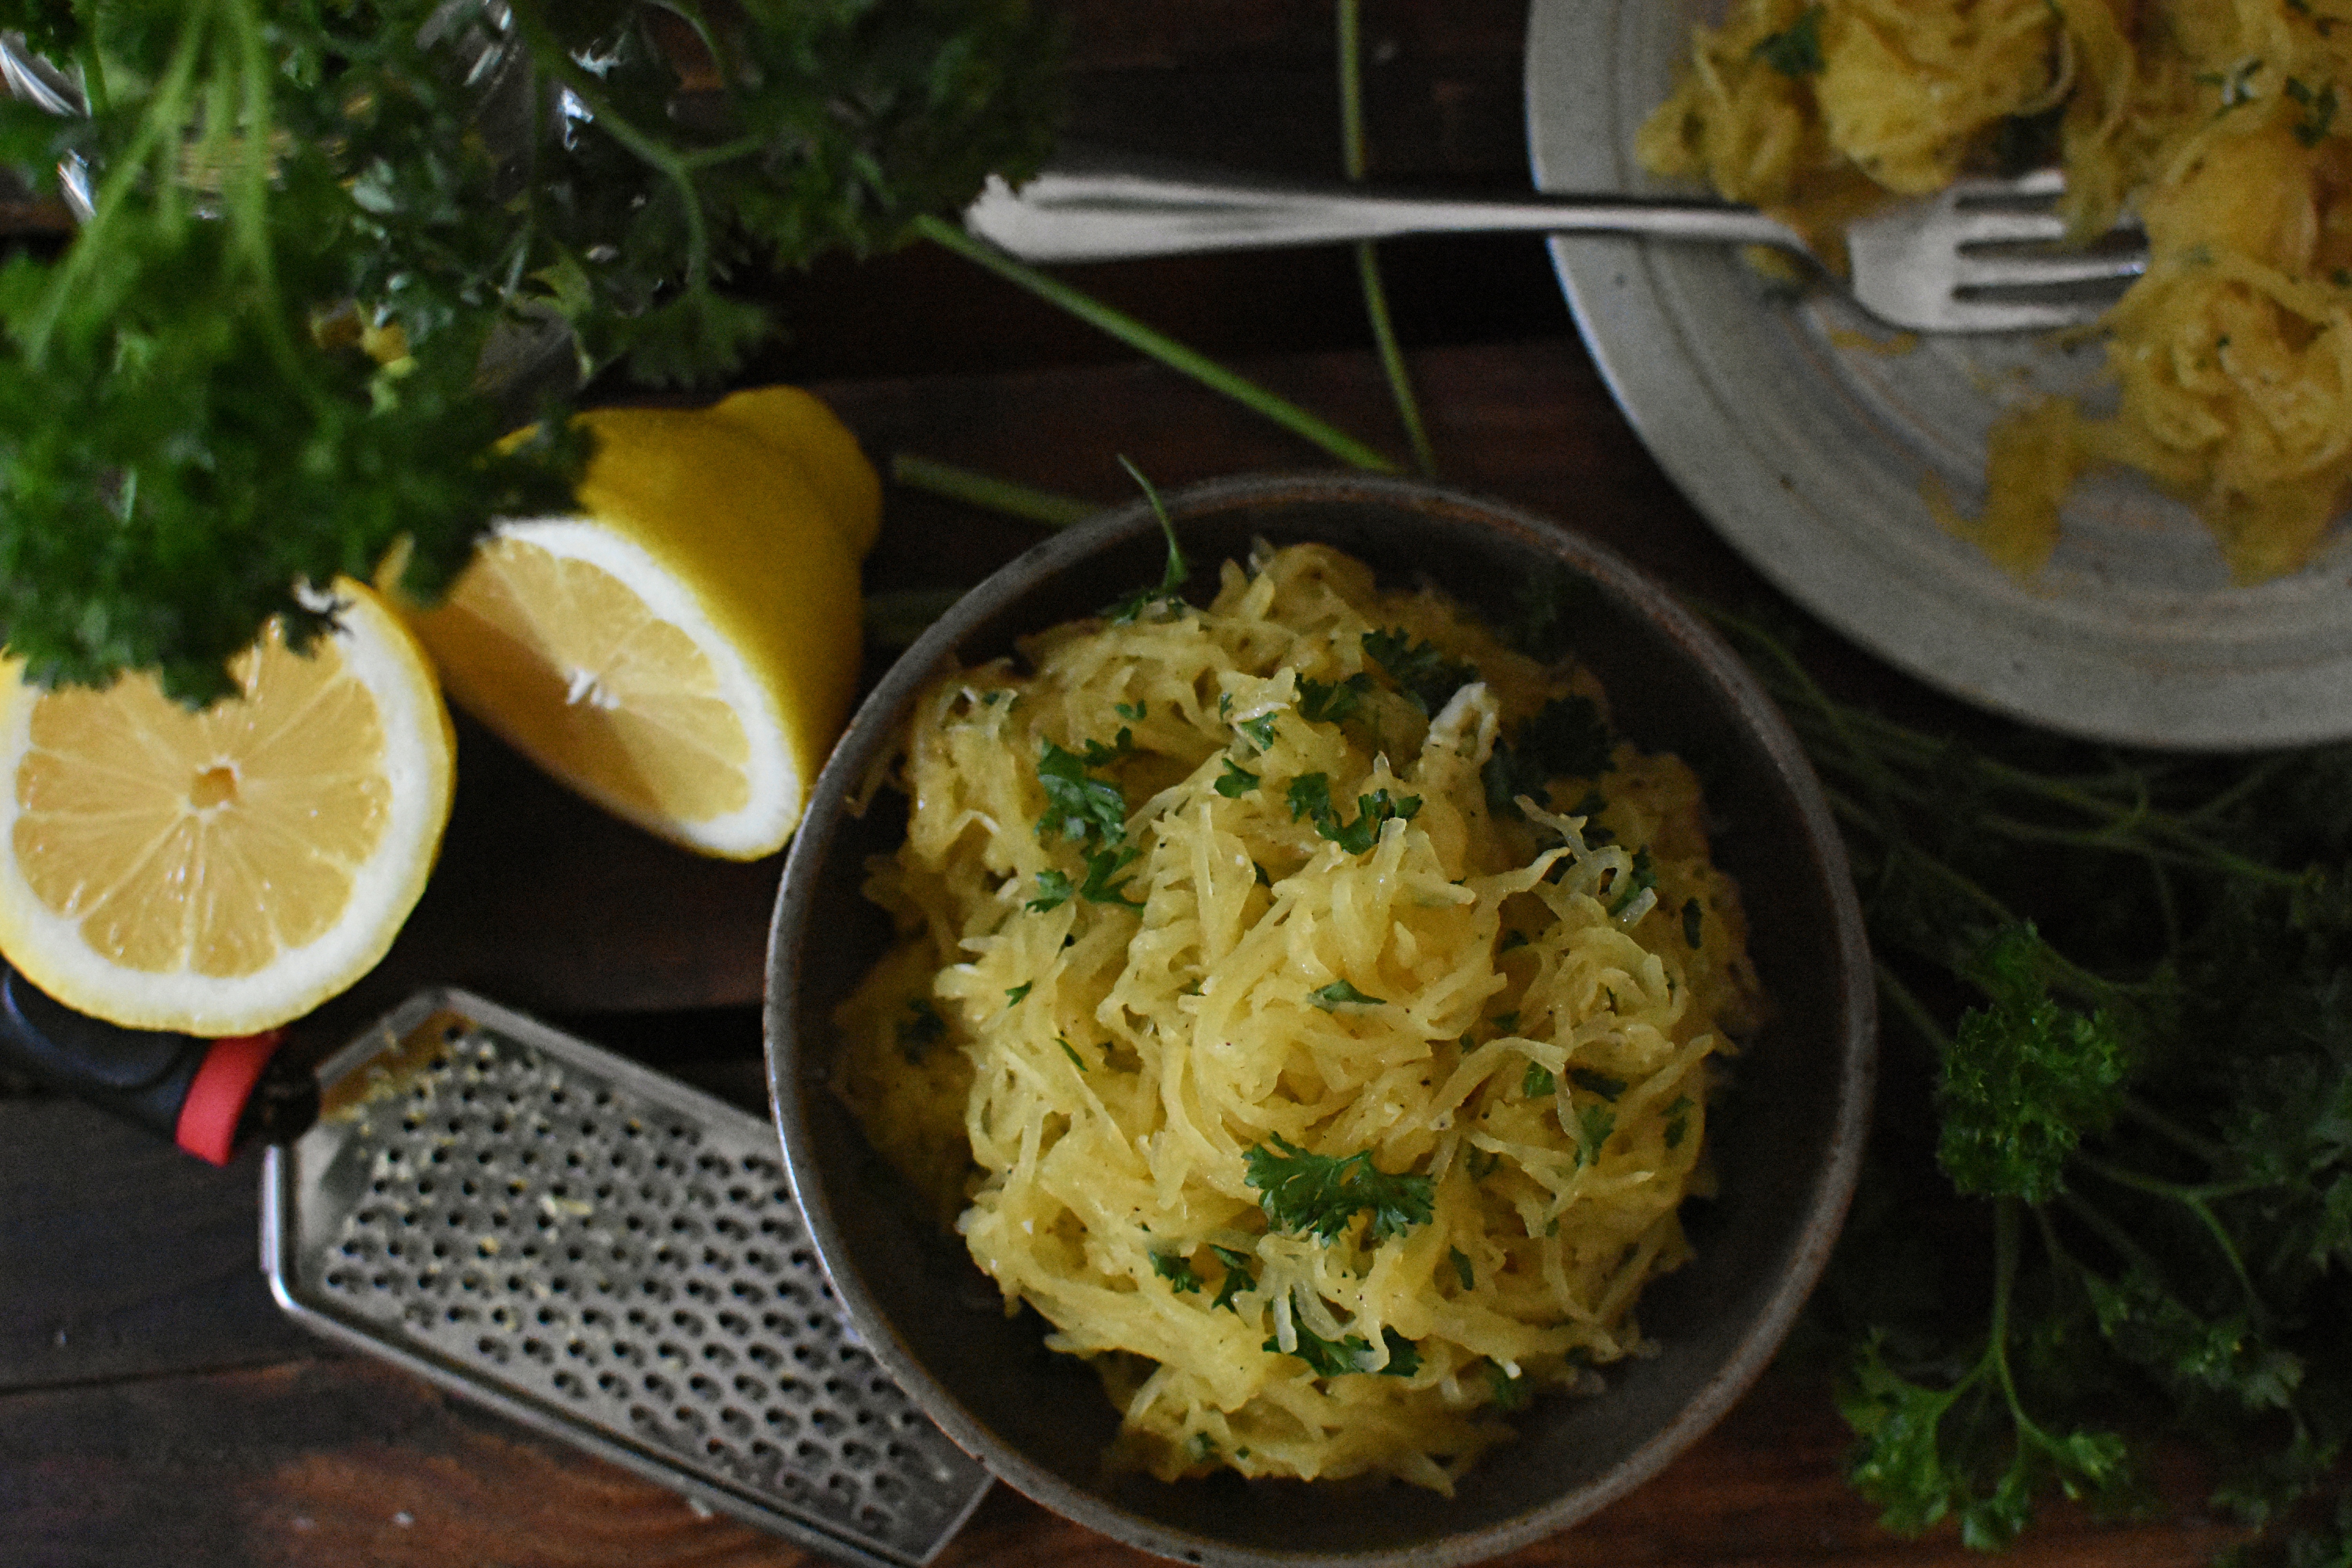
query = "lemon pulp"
x=223 y=871
x=684 y=651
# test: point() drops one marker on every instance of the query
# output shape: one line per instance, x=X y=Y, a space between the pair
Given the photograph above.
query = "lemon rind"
x=48 y=948
x=767 y=817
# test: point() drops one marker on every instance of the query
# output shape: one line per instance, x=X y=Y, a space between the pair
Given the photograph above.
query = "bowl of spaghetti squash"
x=1319 y=1019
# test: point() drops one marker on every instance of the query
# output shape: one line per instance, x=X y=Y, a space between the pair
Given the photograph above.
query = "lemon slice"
x=225 y=871
x=684 y=652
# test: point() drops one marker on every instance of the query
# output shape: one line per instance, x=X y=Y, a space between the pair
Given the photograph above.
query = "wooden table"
x=155 y=1408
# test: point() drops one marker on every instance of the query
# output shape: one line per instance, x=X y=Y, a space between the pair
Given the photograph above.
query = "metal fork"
x=1982 y=257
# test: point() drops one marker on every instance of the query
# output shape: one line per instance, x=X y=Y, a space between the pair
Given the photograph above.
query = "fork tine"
x=2014 y=271
x=2036 y=185
x=1997 y=225
x=1976 y=315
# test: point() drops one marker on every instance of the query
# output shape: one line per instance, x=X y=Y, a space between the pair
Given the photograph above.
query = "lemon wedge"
x=684 y=652
x=222 y=873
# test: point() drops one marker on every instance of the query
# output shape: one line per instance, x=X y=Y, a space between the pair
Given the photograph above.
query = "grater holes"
x=585 y=1190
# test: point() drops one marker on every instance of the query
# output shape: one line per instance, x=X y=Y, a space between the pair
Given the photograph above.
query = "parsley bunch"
x=2120 y=1060
x=261 y=361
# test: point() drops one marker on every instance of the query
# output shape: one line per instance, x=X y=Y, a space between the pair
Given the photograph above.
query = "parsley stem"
x=93 y=75
x=2100 y=1224
x=166 y=112
x=2195 y=1200
x=1901 y=853
x=894 y=619
x=1044 y=508
x=689 y=12
x=1907 y=1002
x=2132 y=824
x=1368 y=262
x=246 y=135
x=2148 y=1116
x=1176 y=356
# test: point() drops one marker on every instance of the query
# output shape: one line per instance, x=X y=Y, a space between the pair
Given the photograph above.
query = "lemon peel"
x=683 y=651
x=223 y=871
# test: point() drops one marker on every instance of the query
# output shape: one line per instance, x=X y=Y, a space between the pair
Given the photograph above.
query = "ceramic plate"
x=1805 y=433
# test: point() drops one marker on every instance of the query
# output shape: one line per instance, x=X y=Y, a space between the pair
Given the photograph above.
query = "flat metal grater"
x=609 y=1256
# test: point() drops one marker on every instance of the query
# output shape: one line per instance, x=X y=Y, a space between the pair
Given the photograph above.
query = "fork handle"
x=1102 y=208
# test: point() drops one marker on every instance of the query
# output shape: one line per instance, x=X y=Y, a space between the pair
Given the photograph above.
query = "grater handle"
x=209 y=1097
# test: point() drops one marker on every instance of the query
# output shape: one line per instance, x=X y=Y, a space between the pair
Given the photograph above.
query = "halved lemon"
x=222 y=873
x=684 y=652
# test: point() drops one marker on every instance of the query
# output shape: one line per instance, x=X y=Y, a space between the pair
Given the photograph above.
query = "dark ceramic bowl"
x=1787 y=1139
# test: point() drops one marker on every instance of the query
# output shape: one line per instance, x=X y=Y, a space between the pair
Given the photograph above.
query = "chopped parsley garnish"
x=1328 y=1358
x=921 y=1029
x=1309 y=796
x=1566 y=738
x=1506 y=1391
x=1642 y=877
x=1461 y=1270
x=2237 y=87
x=1537 y=1081
x=1097 y=755
x=2318 y=111
x=1236 y=781
x=1320 y=1194
x=1692 y=930
x=1598 y=1083
x=1678 y=1120
x=1078 y=806
x=1594 y=1123
x=1071 y=1051
x=1239 y=1278
x=1134 y=710
x=1341 y=994
x=1015 y=995
x=1421 y=671
x=1260 y=729
x=1796 y=49
x=1101 y=865
x=1329 y=703
x=1053 y=890
x=1087 y=809
x=1177 y=1269
x=1331 y=1358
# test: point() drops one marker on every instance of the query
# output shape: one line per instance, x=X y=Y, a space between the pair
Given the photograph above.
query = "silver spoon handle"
x=1100 y=211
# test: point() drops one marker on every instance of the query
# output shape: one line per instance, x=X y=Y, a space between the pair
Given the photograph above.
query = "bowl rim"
x=1854 y=1034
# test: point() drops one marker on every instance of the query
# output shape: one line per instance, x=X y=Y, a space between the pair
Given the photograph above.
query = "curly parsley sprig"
x=2127 y=974
x=186 y=432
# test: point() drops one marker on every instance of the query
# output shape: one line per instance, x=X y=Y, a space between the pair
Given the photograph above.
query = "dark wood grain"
x=155 y=1408
x=337 y=1463
x=122 y=1258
